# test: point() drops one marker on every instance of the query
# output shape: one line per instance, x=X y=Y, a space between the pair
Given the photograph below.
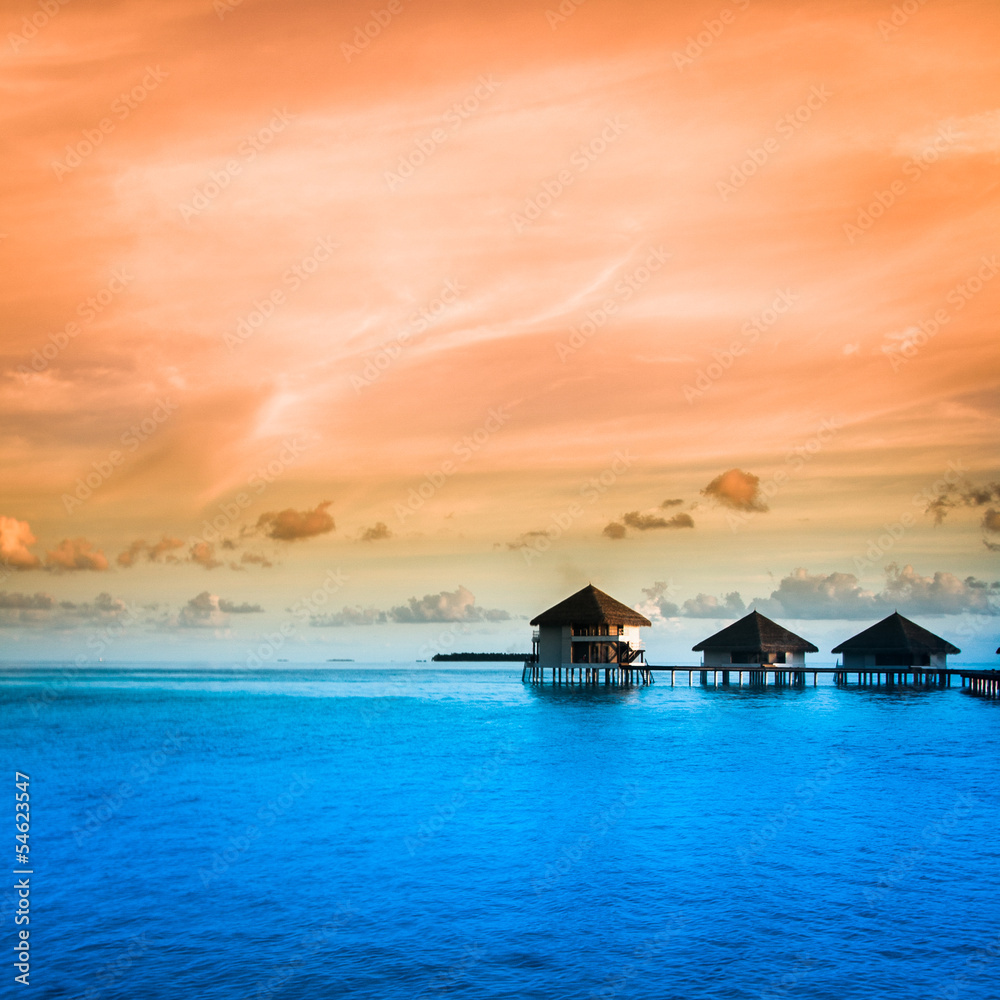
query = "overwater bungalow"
x=896 y=642
x=588 y=632
x=757 y=641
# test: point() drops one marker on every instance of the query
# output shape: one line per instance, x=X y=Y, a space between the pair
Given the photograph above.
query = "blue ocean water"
x=412 y=832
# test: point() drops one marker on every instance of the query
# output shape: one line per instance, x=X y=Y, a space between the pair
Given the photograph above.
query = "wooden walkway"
x=982 y=682
x=615 y=674
x=986 y=682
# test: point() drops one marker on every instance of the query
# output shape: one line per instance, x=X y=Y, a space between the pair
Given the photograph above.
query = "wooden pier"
x=615 y=674
x=981 y=682
x=984 y=682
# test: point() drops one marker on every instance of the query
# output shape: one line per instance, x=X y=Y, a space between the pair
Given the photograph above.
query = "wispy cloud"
x=447 y=606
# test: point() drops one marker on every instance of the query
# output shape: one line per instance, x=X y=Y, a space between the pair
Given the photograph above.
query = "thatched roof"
x=590 y=606
x=755 y=633
x=896 y=633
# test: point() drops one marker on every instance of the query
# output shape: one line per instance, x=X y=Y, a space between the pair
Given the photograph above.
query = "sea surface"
x=414 y=832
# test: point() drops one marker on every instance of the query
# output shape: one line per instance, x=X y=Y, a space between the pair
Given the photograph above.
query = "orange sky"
x=496 y=253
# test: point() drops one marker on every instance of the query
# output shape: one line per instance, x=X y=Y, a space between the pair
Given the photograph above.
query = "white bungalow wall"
x=866 y=661
x=630 y=633
x=724 y=658
x=553 y=645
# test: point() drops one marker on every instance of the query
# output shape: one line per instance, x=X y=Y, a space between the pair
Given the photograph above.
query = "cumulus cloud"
x=447 y=606
x=350 y=616
x=962 y=495
x=657 y=604
x=202 y=611
x=208 y=610
x=376 y=533
x=805 y=595
x=45 y=611
x=291 y=525
x=649 y=522
x=708 y=606
x=161 y=551
x=653 y=520
x=15 y=539
x=527 y=540
x=75 y=554
x=940 y=594
x=104 y=606
x=840 y=595
x=832 y=595
x=239 y=609
x=200 y=554
x=203 y=553
x=27 y=602
x=736 y=489
x=991 y=526
x=255 y=558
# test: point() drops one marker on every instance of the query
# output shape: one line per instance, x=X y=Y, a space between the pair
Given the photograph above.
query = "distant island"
x=481 y=656
x=340 y=659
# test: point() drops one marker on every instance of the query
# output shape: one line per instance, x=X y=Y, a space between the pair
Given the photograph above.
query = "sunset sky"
x=377 y=329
